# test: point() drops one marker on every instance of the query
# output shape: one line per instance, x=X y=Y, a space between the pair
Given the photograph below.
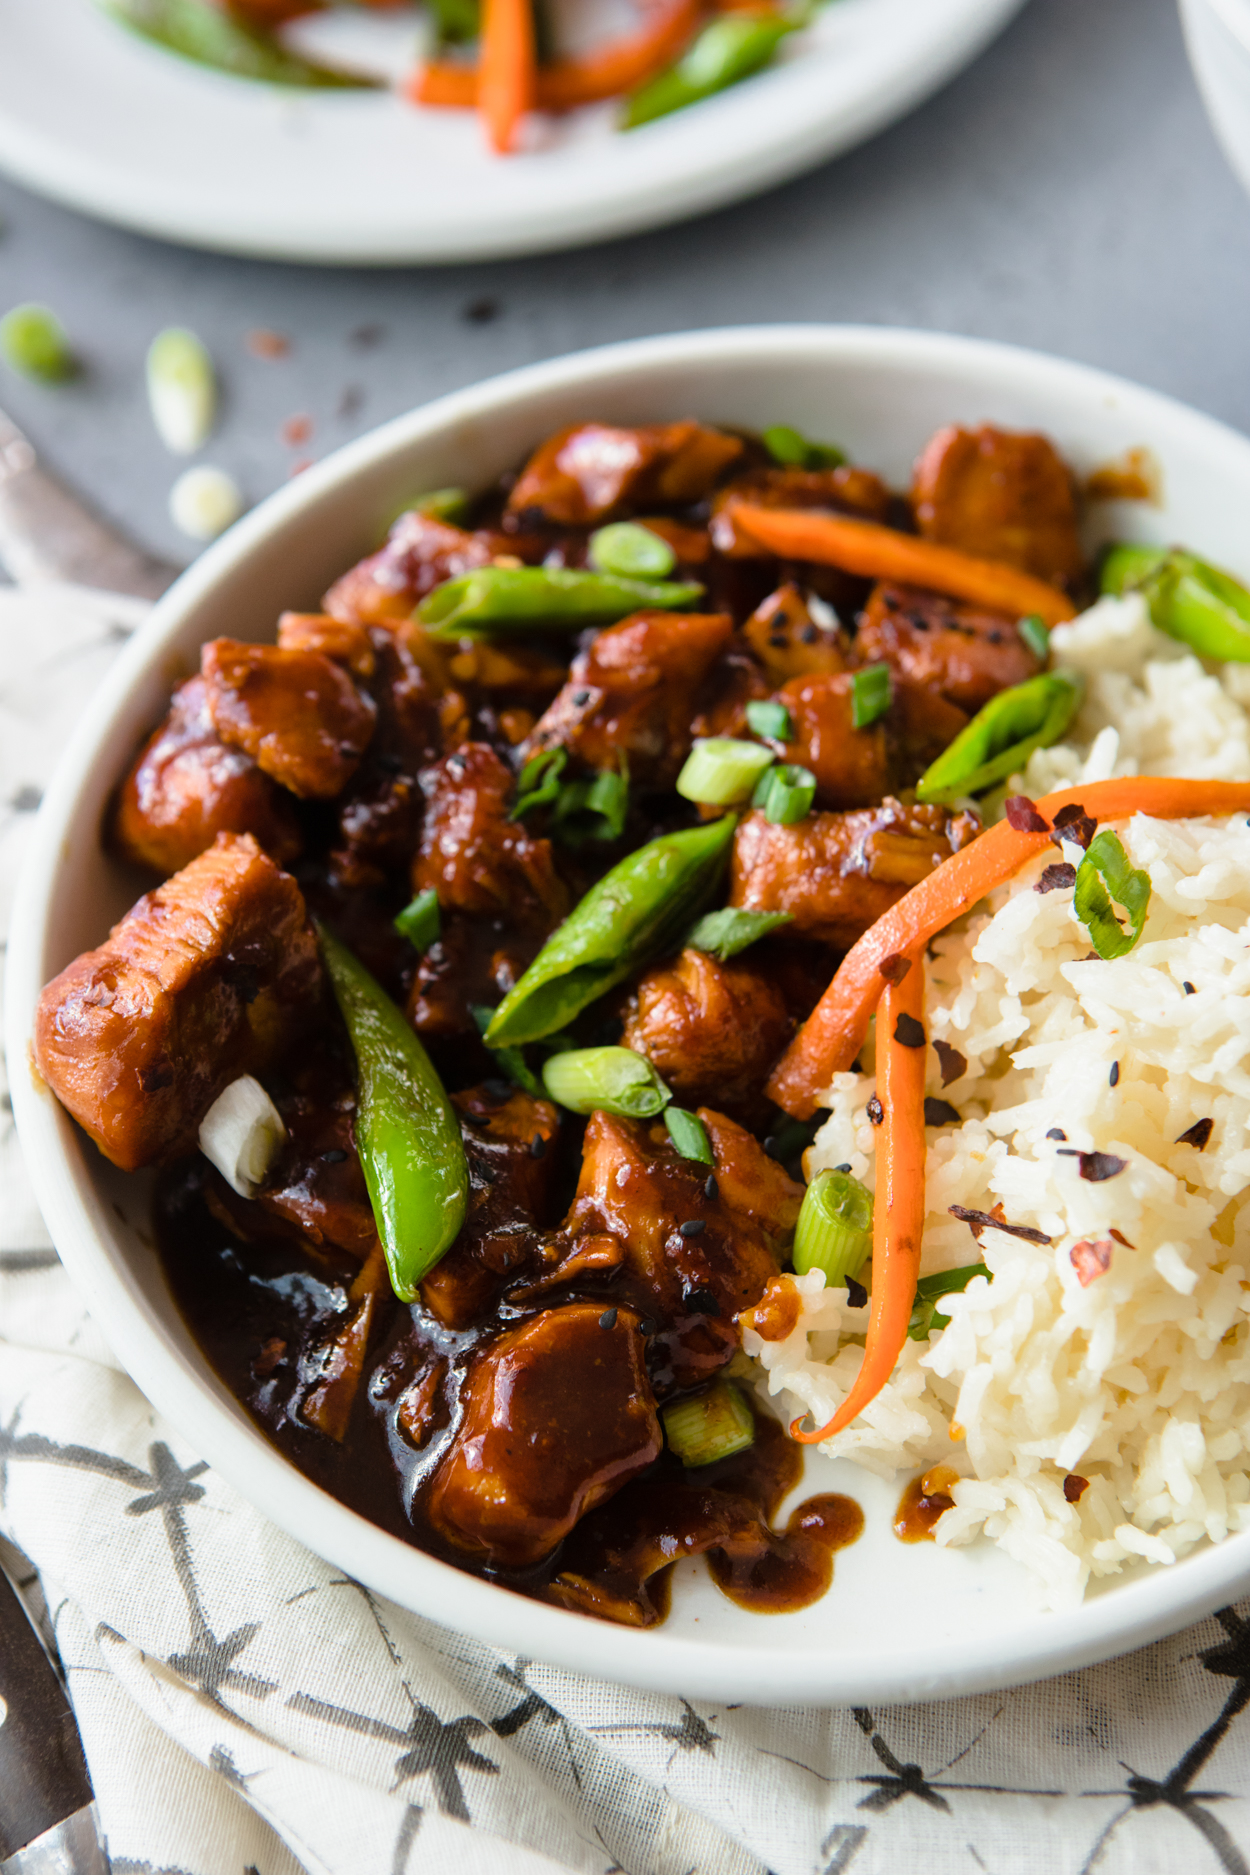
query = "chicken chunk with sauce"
x=965 y=654
x=585 y=473
x=472 y=854
x=296 y=713
x=712 y=1030
x=1002 y=495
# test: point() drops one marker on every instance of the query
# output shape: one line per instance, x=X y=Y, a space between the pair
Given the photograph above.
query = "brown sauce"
x=1136 y=476
x=922 y=1503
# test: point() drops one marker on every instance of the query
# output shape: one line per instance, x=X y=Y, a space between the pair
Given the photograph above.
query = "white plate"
x=899 y=1623
x=122 y=130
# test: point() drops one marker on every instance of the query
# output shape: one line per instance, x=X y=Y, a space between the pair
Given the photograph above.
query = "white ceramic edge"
x=1235 y=15
x=1128 y=1616
x=732 y=168
x=1217 y=40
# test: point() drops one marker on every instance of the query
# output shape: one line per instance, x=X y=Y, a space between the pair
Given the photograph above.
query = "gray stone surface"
x=1065 y=192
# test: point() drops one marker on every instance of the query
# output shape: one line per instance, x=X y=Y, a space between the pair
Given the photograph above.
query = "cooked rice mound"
x=1136 y=1378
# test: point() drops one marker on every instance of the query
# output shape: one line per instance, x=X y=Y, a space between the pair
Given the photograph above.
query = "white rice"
x=1140 y=1381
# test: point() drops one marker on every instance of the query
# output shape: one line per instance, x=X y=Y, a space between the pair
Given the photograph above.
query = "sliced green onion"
x=445 y=504
x=1189 y=598
x=834 y=1231
x=33 y=340
x=1104 y=879
x=553 y=598
x=456 y=21
x=772 y=720
x=924 y=1317
x=511 y=1060
x=727 y=50
x=792 y=449
x=182 y=390
x=872 y=692
x=786 y=794
x=1127 y=565
x=420 y=922
x=689 y=1135
x=592 y=810
x=1035 y=635
x=1001 y=737
x=713 y=1425
x=722 y=934
x=721 y=771
x=633 y=551
x=538 y=783
x=608 y=1080
x=207 y=34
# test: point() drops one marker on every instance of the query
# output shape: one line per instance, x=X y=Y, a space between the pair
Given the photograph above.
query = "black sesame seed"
x=693 y=1227
x=608 y=1319
x=1114 y=1076
x=711 y=1189
x=843 y=1168
x=809 y=635
x=1189 y=989
x=1056 y=1132
x=335 y=1156
x=1067 y=1152
x=580 y=699
x=876 y=1112
x=646 y=1326
x=538 y=1147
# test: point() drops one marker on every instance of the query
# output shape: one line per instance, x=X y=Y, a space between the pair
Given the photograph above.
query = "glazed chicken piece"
x=380 y=815
x=789 y=642
x=207 y=978
x=634 y=1197
x=712 y=1030
x=420 y=553
x=838 y=873
x=186 y=787
x=507 y=1135
x=557 y=1415
x=297 y=714
x=472 y=854
x=845 y=490
x=853 y=767
x=1003 y=495
x=631 y=694
x=587 y=472
x=963 y=653
x=347 y=643
x=721 y=706
x=474 y=963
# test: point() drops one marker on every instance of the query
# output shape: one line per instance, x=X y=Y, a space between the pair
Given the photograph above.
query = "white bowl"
x=1217 y=35
x=899 y=1622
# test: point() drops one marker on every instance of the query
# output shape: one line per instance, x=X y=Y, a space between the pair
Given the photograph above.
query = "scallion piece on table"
x=610 y=1080
x=722 y=934
x=712 y=1425
x=553 y=598
x=793 y=450
x=420 y=922
x=33 y=341
x=1203 y=606
x=872 y=692
x=1035 y=635
x=721 y=771
x=785 y=794
x=182 y=390
x=1001 y=737
x=925 y=1320
x=633 y=551
x=772 y=720
x=834 y=1231
x=1105 y=879
x=689 y=1135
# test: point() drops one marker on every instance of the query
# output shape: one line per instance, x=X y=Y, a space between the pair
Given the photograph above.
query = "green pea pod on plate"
x=731 y=48
x=1188 y=598
x=407 y=1134
x=510 y=598
x=206 y=34
x=640 y=908
x=1001 y=737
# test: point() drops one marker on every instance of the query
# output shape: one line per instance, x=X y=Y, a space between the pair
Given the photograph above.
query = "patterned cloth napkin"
x=247 y=1710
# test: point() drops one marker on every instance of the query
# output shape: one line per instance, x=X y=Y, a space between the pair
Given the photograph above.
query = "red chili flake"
x=1096 y=1166
x=1075 y=1487
x=270 y=1355
x=951 y=1062
x=1090 y=1260
x=1073 y=823
x=894 y=967
x=876 y=1112
x=263 y=343
x=856 y=1294
x=296 y=430
x=1121 y=1238
x=1056 y=878
x=977 y=1221
x=1198 y=1134
x=909 y=1032
x=940 y=1112
x=1023 y=816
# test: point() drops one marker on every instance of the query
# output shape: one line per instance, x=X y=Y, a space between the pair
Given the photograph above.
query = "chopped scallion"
x=632 y=551
x=712 y=1425
x=610 y=1080
x=445 y=504
x=182 y=390
x=1105 y=879
x=511 y=1060
x=722 y=934
x=834 y=1231
x=772 y=720
x=786 y=794
x=689 y=1135
x=721 y=771
x=924 y=1317
x=1035 y=635
x=538 y=783
x=592 y=810
x=33 y=341
x=419 y=922
x=792 y=449
x=872 y=692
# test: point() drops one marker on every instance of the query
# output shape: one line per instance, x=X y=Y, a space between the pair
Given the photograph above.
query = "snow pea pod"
x=509 y=598
x=407 y=1133
x=732 y=47
x=199 y=31
x=1001 y=737
x=1188 y=598
x=641 y=907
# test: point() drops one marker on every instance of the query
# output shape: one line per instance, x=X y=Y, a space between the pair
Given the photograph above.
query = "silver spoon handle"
x=48 y=534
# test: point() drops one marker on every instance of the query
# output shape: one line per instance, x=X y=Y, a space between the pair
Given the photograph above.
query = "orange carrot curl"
x=899 y=1205
x=833 y=1034
x=508 y=64
x=876 y=552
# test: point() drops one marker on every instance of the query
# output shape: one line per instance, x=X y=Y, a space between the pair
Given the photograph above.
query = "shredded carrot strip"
x=834 y=1033
x=621 y=65
x=876 y=552
x=507 y=68
x=899 y=1205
